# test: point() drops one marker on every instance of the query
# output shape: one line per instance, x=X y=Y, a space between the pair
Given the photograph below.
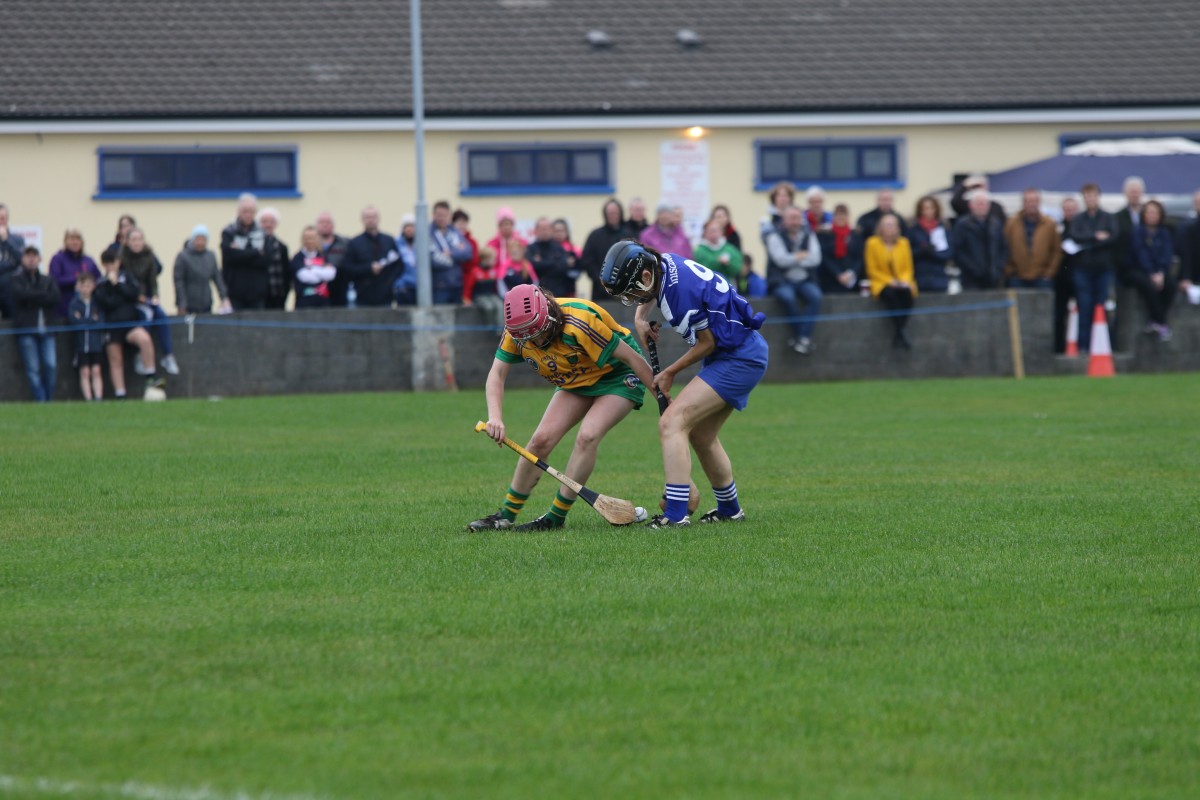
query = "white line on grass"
x=131 y=789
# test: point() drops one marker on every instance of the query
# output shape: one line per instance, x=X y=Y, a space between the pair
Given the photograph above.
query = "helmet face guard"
x=621 y=274
x=527 y=314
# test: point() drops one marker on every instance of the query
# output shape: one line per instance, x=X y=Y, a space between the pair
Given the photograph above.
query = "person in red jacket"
x=461 y=221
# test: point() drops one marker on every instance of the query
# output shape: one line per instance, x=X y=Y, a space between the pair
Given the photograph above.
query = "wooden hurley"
x=613 y=509
x=652 y=351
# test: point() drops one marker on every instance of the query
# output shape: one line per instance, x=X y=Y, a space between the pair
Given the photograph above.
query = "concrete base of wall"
x=344 y=350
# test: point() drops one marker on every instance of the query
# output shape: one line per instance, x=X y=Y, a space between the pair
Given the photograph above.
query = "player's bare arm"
x=641 y=324
x=494 y=390
x=705 y=344
x=632 y=359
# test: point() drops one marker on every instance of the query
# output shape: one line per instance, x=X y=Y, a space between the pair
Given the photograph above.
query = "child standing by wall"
x=485 y=293
x=89 y=342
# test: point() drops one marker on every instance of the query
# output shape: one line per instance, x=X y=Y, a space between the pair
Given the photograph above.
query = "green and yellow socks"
x=514 y=501
x=560 y=507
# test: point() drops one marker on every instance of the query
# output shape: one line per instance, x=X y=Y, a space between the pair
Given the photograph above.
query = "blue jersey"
x=694 y=298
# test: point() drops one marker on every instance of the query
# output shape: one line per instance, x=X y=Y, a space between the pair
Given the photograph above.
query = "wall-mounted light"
x=696 y=132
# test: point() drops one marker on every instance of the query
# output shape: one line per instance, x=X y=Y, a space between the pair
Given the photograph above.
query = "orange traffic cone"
x=1072 y=330
x=1100 y=365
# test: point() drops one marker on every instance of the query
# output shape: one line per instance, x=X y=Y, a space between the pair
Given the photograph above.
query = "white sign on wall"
x=685 y=181
x=32 y=234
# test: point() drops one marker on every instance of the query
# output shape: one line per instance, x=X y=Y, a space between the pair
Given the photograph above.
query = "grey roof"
x=264 y=58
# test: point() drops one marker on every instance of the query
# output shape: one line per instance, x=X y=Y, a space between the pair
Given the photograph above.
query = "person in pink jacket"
x=666 y=234
x=502 y=242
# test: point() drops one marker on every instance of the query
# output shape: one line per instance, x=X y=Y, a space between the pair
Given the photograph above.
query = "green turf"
x=947 y=589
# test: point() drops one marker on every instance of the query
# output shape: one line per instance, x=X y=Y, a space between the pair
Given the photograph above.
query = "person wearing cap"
x=35 y=296
x=599 y=375
x=666 y=234
x=196 y=271
x=960 y=200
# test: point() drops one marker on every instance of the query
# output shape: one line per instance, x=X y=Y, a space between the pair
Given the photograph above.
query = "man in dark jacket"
x=885 y=203
x=598 y=243
x=1064 y=279
x=373 y=262
x=11 y=247
x=244 y=259
x=277 y=258
x=980 y=251
x=35 y=296
x=1187 y=247
x=549 y=260
x=1094 y=232
x=637 y=221
x=1127 y=219
x=962 y=192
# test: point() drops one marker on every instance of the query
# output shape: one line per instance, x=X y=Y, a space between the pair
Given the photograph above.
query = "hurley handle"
x=481 y=426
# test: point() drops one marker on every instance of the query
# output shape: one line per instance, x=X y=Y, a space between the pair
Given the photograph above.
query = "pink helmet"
x=527 y=313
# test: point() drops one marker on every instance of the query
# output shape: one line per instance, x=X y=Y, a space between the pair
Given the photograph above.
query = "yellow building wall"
x=50 y=179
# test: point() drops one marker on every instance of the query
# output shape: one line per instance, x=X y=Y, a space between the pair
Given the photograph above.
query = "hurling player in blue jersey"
x=722 y=330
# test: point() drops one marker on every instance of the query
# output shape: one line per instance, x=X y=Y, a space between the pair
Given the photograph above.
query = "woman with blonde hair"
x=889 y=263
x=67 y=265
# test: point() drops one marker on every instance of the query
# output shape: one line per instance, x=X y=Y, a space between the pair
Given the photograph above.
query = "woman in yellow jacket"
x=890 y=269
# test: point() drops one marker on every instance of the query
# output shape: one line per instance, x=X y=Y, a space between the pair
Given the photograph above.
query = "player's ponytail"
x=555 y=312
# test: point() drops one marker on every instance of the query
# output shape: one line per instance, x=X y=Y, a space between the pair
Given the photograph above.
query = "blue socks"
x=727 y=500
x=677 y=501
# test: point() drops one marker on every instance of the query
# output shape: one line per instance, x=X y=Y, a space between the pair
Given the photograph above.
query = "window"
x=536 y=169
x=832 y=163
x=196 y=172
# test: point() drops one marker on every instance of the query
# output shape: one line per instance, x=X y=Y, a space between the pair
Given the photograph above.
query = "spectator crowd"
x=113 y=304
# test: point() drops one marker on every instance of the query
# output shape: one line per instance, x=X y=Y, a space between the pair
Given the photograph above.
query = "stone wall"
x=352 y=350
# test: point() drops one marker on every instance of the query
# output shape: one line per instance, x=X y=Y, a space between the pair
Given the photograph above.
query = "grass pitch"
x=947 y=589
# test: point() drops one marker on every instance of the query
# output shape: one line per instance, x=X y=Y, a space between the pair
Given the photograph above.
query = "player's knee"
x=588 y=438
x=540 y=444
x=672 y=422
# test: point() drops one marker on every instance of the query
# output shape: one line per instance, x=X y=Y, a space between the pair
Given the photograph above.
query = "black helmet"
x=622 y=272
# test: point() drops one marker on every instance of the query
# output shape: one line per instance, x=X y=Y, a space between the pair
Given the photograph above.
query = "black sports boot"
x=542 y=523
x=717 y=516
x=661 y=521
x=492 y=522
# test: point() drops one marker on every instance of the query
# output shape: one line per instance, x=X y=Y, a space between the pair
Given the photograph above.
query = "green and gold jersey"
x=582 y=355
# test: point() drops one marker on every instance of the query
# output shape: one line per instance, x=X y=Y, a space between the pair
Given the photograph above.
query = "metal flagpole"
x=421 y=243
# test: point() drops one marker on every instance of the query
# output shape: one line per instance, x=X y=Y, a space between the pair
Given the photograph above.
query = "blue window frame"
x=832 y=163
x=195 y=172
x=584 y=168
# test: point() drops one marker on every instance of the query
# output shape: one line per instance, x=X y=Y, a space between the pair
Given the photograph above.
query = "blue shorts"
x=734 y=373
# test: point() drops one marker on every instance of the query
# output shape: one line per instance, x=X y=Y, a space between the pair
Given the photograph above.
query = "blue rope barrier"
x=230 y=322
